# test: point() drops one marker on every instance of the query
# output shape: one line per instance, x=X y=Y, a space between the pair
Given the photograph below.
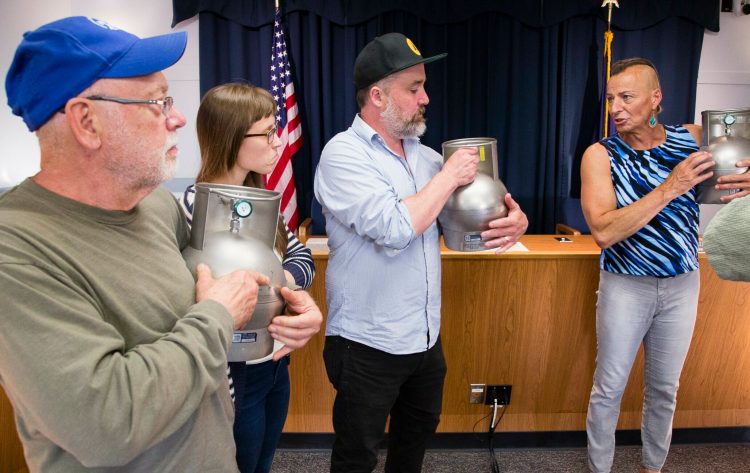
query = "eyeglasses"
x=166 y=103
x=270 y=134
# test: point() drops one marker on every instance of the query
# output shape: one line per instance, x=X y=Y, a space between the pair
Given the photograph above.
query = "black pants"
x=371 y=384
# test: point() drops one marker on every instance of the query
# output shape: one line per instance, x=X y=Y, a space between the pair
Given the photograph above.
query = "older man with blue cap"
x=113 y=358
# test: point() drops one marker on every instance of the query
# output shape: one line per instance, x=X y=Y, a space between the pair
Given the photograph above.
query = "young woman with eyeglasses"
x=239 y=144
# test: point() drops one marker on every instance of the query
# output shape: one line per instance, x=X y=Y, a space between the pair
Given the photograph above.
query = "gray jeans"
x=660 y=312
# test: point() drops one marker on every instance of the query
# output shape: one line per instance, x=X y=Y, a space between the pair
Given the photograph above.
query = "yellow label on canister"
x=481 y=153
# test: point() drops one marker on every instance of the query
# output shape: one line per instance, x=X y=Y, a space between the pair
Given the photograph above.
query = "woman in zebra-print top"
x=239 y=144
x=638 y=198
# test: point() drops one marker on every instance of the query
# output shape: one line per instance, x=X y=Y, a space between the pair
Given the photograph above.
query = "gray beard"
x=400 y=127
x=136 y=177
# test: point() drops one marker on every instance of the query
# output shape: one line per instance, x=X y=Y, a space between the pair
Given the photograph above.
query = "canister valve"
x=729 y=120
x=243 y=208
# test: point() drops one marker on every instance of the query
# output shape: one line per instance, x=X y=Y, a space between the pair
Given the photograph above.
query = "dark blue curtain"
x=530 y=78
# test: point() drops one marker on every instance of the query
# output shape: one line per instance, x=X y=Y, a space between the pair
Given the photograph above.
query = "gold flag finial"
x=609 y=4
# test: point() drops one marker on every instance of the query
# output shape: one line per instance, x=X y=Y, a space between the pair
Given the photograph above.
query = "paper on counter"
x=517 y=247
x=317 y=244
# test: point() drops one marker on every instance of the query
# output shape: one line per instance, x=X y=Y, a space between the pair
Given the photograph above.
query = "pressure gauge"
x=729 y=119
x=243 y=208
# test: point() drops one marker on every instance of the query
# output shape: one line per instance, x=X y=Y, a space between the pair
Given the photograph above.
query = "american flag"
x=281 y=178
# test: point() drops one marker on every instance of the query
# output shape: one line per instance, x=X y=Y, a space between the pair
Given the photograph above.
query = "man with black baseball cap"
x=113 y=358
x=381 y=191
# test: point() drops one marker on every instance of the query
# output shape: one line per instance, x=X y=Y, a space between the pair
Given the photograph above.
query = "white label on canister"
x=244 y=337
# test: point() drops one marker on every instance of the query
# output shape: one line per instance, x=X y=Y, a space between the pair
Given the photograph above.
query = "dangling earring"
x=652 y=120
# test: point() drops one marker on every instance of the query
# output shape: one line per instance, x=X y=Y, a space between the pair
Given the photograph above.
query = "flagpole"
x=608 y=37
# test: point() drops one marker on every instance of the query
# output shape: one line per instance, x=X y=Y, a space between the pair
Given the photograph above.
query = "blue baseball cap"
x=59 y=60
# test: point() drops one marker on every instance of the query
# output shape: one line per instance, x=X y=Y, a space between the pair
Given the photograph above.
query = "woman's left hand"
x=294 y=331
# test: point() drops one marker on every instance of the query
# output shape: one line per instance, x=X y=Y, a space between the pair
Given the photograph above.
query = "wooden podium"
x=527 y=318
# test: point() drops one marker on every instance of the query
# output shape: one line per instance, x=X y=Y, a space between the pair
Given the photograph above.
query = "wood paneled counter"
x=527 y=318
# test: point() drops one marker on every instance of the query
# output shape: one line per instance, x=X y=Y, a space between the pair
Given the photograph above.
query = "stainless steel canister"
x=470 y=208
x=726 y=134
x=234 y=227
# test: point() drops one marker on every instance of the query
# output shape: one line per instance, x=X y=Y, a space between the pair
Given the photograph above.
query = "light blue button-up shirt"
x=383 y=280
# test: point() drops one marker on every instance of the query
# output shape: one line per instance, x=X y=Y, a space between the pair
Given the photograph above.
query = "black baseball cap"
x=385 y=55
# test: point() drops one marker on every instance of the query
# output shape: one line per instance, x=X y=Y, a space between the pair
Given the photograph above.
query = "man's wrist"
x=445 y=180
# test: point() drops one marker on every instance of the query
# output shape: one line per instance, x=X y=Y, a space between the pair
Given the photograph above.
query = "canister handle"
x=235 y=196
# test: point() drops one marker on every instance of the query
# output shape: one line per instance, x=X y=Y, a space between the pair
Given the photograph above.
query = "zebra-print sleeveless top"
x=668 y=244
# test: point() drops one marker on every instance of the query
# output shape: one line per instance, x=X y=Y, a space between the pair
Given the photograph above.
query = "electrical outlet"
x=476 y=393
x=501 y=392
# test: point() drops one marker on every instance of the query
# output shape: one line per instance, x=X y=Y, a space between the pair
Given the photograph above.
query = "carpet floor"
x=688 y=458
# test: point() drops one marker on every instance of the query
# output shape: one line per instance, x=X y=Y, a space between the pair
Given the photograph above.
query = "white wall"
x=19 y=157
x=724 y=74
x=723 y=78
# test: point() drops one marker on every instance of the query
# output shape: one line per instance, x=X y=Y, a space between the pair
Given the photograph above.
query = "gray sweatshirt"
x=108 y=361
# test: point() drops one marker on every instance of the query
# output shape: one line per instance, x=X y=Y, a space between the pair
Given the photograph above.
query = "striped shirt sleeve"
x=298 y=261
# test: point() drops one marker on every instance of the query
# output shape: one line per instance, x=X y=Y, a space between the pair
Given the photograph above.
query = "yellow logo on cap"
x=412 y=47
